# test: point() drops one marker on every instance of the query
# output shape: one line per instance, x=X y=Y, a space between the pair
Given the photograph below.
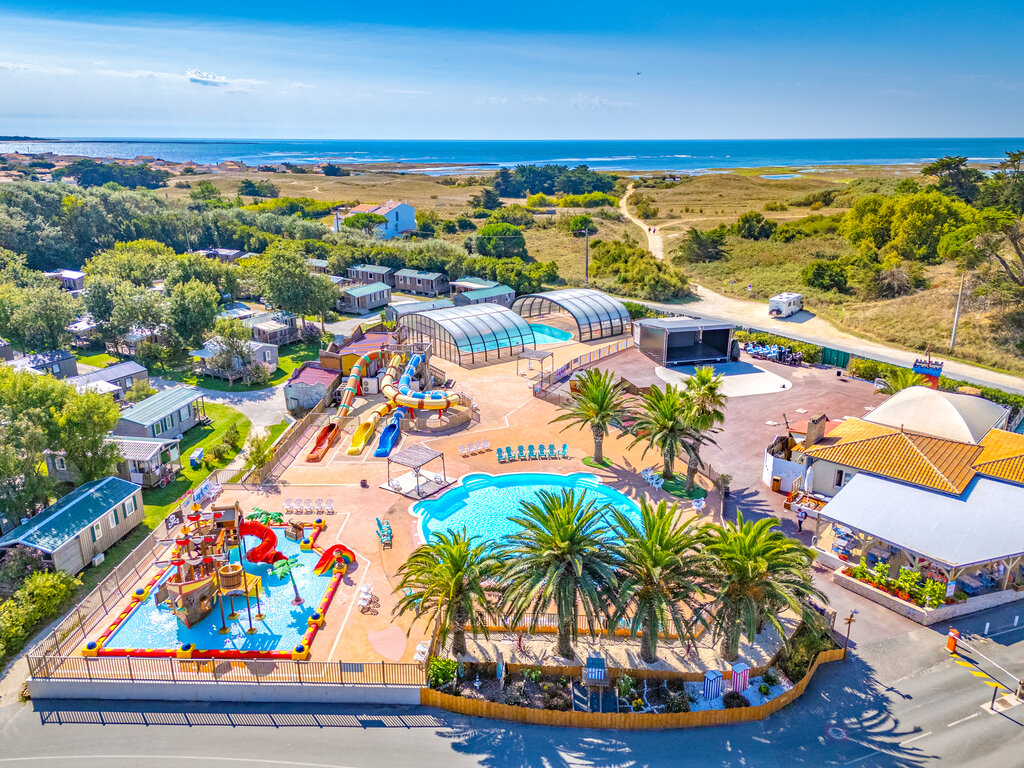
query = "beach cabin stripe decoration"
x=740 y=676
x=713 y=684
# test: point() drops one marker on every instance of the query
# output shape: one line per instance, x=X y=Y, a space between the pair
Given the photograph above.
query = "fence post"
x=383 y=673
x=131 y=676
x=298 y=671
x=88 y=668
x=341 y=673
x=170 y=661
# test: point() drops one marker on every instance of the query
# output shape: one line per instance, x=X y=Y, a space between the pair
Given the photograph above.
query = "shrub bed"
x=909 y=586
x=38 y=600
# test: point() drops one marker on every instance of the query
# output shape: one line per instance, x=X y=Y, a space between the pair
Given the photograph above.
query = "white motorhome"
x=785 y=304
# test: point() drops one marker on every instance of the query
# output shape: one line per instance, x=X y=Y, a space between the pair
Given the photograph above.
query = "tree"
x=192 y=310
x=898 y=378
x=84 y=423
x=826 y=275
x=140 y=391
x=44 y=315
x=286 y=569
x=136 y=308
x=956 y=178
x=501 y=240
x=560 y=555
x=597 y=403
x=286 y=281
x=205 y=191
x=139 y=262
x=443 y=581
x=487 y=199
x=258 y=188
x=91 y=173
x=661 y=575
x=759 y=571
x=580 y=225
x=234 y=344
x=257 y=448
x=699 y=247
x=330 y=169
x=366 y=223
x=909 y=226
x=665 y=421
x=323 y=298
x=996 y=236
x=707 y=403
x=99 y=299
x=754 y=226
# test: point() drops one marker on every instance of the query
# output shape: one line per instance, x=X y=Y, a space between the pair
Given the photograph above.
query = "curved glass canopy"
x=597 y=315
x=478 y=333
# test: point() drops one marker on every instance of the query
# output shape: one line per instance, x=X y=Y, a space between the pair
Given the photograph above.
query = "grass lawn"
x=159 y=501
x=97 y=359
x=291 y=357
x=589 y=461
x=677 y=488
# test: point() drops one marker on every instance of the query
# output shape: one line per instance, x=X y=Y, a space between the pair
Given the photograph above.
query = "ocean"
x=684 y=155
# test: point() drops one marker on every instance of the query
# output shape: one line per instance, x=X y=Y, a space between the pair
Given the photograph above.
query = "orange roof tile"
x=1002 y=456
x=931 y=462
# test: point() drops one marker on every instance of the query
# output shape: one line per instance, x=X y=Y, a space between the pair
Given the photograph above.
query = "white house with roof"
x=401 y=218
x=82 y=525
x=170 y=412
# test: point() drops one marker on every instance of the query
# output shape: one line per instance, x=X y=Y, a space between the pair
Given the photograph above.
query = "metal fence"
x=212 y=671
x=548 y=380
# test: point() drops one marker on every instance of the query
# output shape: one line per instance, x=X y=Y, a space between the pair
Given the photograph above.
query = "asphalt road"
x=902 y=702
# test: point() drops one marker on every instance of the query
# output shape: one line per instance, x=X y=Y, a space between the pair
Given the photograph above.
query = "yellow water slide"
x=364 y=432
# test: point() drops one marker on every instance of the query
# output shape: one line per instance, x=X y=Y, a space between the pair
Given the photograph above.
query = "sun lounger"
x=329 y=506
x=308 y=505
x=531 y=452
x=287 y=506
x=318 y=506
x=485 y=445
x=462 y=450
x=522 y=453
x=500 y=453
x=552 y=453
x=565 y=451
x=509 y=453
x=541 y=452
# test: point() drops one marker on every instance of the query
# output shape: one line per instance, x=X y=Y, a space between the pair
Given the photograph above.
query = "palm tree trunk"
x=598 y=445
x=691 y=472
x=668 y=471
x=459 y=633
x=730 y=648
x=565 y=640
x=298 y=598
x=649 y=644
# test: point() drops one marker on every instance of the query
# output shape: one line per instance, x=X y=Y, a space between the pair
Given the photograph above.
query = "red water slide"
x=266 y=550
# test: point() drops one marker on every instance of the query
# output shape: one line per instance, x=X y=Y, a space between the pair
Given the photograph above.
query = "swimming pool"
x=282 y=628
x=482 y=503
x=548 y=334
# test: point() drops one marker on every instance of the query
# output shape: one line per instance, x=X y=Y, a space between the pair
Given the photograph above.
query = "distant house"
x=497 y=294
x=149 y=461
x=122 y=376
x=464 y=284
x=128 y=345
x=266 y=354
x=171 y=411
x=82 y=525
x=82 y=330
x=227 y=255
x=236 y=310
x=401 y=218
x=59 y=363
x=6 y=350
x=278 y=327
x=69 y=279
x=361 y=299
x=422 y=283
x=394 y=311
x=371 y=273
x=317 y=266
x=308 y=386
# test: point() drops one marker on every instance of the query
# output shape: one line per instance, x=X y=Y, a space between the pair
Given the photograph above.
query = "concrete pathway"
x=263 y=407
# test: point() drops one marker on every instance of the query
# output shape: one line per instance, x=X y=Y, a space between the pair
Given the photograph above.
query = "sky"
x=600 y=70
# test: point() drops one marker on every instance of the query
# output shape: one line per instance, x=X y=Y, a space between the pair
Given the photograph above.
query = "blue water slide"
x=391 y=433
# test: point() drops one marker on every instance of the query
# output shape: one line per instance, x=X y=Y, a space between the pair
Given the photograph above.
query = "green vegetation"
x=588 y=200
x=597 y=404
x=258 y=188
x=524 y=180
x=290 y=357
x=501 y=240
x=624 y=267
x=39 y=600
x=91 y=173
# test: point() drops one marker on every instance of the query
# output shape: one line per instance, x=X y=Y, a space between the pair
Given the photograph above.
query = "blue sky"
x=490 y=71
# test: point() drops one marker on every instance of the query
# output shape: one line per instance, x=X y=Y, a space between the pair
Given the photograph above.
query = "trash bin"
x=196 y=458
x=776 y=483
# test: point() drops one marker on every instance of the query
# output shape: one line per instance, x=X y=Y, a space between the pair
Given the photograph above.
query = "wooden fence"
x=273 y=671
x=623 y=720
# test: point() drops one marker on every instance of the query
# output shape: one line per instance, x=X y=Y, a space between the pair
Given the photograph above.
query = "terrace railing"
x=116 y=669
x=547 y=381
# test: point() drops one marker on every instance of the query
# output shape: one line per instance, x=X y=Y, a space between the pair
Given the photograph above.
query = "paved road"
x=900 y=702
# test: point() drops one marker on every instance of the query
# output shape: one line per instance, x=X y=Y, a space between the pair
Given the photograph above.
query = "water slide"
x=332 y=430
x=364 y=432
x=391 y=433
x=331 y=555
x=402 y=394
x=266 y=550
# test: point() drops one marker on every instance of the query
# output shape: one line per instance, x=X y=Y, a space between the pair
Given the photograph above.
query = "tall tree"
x=84 y=422
x=99 y=299
x=955 y=177
x=703 y=392
x=286 y=280
x=192 y=310
x=44 y=316
x=597 y=403
x=444 y=582
x=661 y=575
x=759 y=571
x=664 y=421
x=366 y=223
x=560 y=556
x=136 y=307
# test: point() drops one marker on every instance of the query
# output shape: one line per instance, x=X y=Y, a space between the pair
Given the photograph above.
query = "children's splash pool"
x=150 y=626
x=483 y=504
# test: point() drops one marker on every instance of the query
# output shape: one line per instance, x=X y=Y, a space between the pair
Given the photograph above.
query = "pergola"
x=415 y=457
x=530 y=355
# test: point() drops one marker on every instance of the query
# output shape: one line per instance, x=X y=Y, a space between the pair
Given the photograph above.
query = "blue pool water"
x=547 y=334
x=482 y=504
x=283 y=625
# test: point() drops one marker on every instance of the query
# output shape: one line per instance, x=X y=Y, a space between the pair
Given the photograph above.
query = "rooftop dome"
x=942 y=414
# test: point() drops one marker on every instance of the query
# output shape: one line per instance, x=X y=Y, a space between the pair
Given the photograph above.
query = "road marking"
x=863 y=757
x=962 y=720
x=911 y=741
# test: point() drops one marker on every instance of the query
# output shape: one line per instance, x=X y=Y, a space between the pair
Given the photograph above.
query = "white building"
x=401 y=218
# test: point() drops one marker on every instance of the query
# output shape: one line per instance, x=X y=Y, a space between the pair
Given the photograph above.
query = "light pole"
x=849 y=623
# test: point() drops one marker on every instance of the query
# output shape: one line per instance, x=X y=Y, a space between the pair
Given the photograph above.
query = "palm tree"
x=664 y=422
x=444 y=581
x=661 y=573
x=897 y=379
x=562 y=554
x=703 y=390
x=267 y=518
x=597 y=403
x=286 y=568
x=759 y=571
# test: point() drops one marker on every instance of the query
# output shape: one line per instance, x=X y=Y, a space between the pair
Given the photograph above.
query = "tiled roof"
x=60 y=522
x=1002 y=456
x=155 y=407
x=931 y=462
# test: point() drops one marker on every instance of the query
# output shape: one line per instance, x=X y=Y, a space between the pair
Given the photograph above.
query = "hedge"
x=811 y=352
x=39 y=599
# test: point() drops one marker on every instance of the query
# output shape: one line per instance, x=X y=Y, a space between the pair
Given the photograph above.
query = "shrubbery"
x=632 y=270
x=754 y=226
x=39 y=599
x=826 y=275
x=441 y=672
x=810 y=352
x=803 y=649
x=734 y=700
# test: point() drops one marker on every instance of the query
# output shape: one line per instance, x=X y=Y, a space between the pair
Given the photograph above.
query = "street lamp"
x=849 y=623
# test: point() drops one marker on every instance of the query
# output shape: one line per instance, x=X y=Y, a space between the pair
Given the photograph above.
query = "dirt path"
x=654 y=242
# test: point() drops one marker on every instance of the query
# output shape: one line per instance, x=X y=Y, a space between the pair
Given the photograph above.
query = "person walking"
x=800 y=517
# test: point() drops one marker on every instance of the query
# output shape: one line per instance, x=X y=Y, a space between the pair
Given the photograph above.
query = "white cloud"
x=536 y=99
x=206 y=78
x=38 y=69
x=493 y=100
x=582 y=101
